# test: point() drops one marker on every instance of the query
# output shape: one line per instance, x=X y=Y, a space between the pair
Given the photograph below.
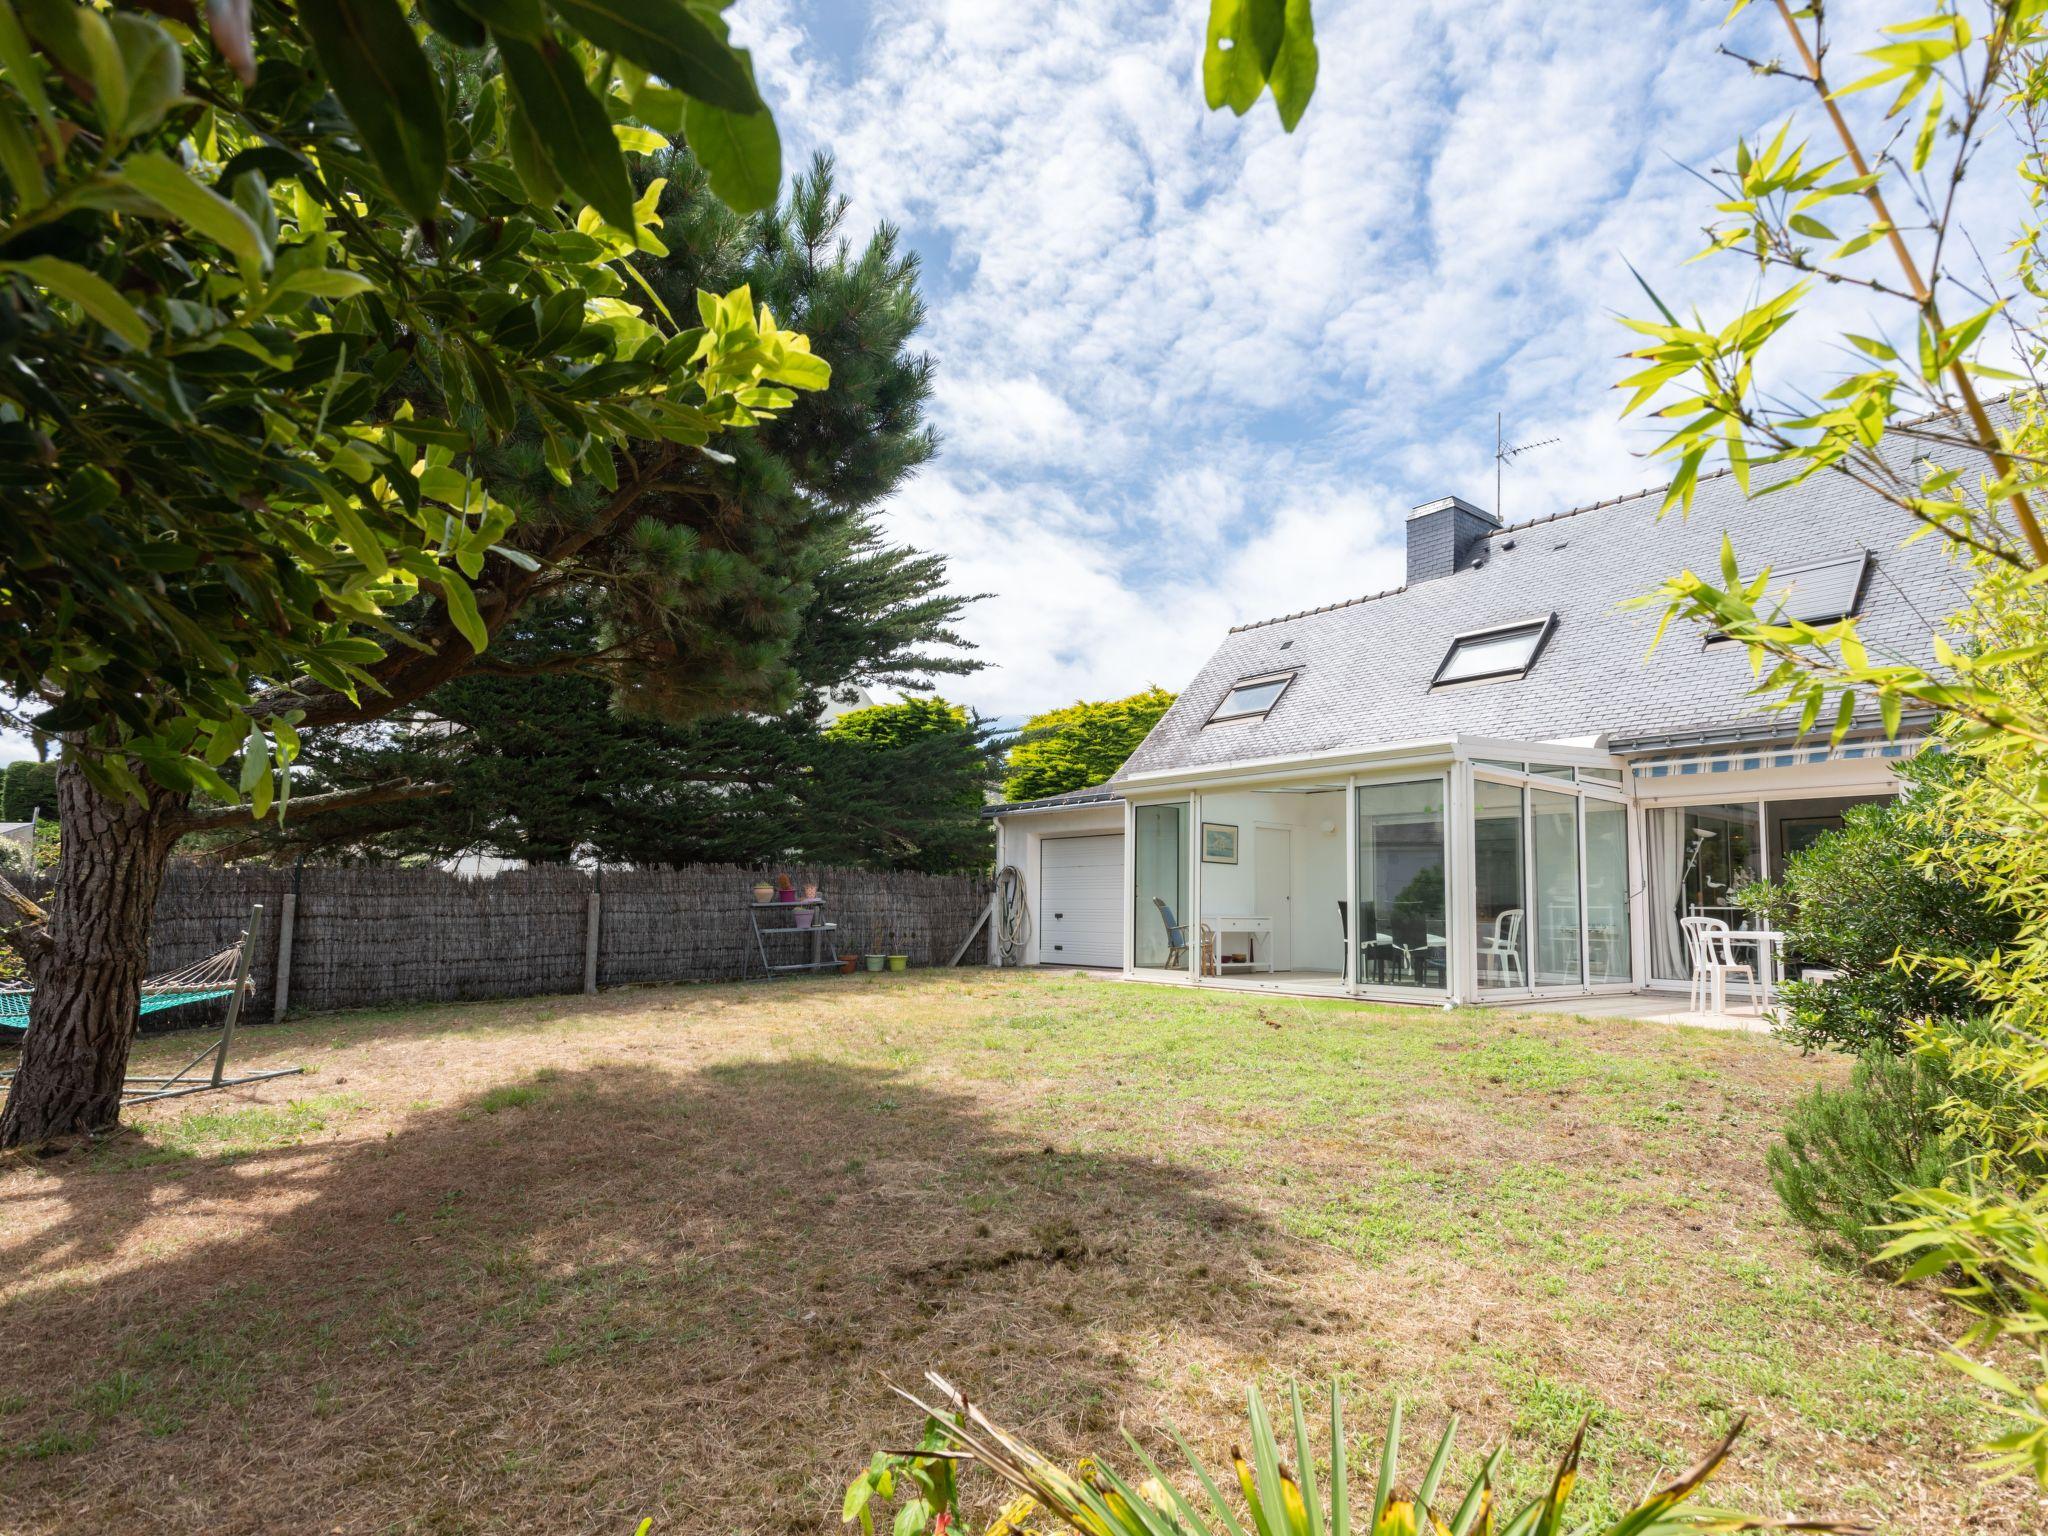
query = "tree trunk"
x=89 y=983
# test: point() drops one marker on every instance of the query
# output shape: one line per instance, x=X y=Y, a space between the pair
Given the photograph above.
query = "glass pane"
x=1401 y=930
x=1160 y=899
x=1699 y=856
x=1549 y=772
x=1252 y=698
x=1607 y=951
x=1554 y=836
x=1818 y=593
x=1495 y=762
x=1491 y=655
x=1601 y=775
x=1499 y=926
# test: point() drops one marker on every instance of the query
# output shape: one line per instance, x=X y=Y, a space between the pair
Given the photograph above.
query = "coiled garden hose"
x=1013 y=918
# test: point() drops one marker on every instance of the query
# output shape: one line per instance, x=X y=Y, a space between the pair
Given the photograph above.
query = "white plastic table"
x=1768 y=942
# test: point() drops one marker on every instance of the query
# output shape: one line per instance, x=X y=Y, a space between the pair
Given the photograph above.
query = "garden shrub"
x=1848 y=1151
x=1856 y=899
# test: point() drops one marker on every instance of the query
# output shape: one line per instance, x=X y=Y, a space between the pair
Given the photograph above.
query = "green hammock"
x=212 y=977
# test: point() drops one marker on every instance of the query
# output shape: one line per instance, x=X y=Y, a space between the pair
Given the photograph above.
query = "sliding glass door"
x=1402 y=928
x=1554 y=886
x=1160 y=920
x=1607 y=928
x=1699 y=857
x=1550 y=884
x=1501 y=904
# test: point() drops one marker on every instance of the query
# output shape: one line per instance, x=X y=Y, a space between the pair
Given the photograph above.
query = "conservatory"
x=1465 y=869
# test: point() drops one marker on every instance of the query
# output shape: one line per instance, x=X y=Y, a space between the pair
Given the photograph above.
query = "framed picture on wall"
x=1796 y=834
x=1219 y=843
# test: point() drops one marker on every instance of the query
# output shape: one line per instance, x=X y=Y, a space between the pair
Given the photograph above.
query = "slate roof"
x=1365 y=666
x=1098 y=794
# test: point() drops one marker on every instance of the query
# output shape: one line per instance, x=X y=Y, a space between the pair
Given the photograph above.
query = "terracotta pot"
x=848 y=964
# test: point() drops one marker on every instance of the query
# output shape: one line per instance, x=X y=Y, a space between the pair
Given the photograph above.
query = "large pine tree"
x=567 y=740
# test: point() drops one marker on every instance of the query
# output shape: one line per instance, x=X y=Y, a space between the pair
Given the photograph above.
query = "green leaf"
x=461 y=605
x=154 y=68
x=24 y=75
x=201 y=209
x=529 y=159
x=740 y=151
x=571 y=126
x=375 y=67
x=459 y=26
x=90 y=292
x=55 y=24
x=20 y=162
x=669 y=38
x=1293 y=76
x=1244 y=39
x=509 y=18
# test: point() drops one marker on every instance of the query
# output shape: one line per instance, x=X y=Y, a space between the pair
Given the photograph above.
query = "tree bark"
x=88 y=981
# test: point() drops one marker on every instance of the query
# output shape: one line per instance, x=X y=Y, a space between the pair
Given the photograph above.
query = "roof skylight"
x=1818 y=592
x=1486 y=655
x=1252 y=696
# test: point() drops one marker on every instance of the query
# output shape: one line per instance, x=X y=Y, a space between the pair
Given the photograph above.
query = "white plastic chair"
x=1501 y=950
x=1709 y=942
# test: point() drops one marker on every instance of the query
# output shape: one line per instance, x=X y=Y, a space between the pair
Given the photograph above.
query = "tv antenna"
x=1503 y=451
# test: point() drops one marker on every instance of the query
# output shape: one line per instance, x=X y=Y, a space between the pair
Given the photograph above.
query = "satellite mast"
x=1502 y=452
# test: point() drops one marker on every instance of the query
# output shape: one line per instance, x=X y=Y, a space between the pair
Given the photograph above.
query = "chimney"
x=1446 y=536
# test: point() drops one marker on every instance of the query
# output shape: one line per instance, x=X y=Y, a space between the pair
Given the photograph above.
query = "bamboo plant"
x=1096 y=1501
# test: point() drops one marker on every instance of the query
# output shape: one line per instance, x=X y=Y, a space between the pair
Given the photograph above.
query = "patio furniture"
x=1709 y=944
x=1176 y=937
x=1251 y=927
x=1501 y=950
x=223 y=975
x=1421 y=951
x=1768 y=943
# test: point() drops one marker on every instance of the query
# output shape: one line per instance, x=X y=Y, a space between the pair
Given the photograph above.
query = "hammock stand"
x=225 y=974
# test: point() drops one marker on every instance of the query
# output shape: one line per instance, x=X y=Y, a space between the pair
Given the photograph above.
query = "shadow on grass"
x=609 y=1294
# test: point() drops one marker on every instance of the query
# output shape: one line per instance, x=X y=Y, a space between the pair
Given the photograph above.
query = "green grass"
x=221 y=1133
x=651 y=1228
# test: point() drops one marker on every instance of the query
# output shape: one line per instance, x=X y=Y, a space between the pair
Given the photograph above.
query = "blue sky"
x=1193 y=370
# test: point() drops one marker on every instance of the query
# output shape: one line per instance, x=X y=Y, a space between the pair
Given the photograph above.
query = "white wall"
x=1315 y=882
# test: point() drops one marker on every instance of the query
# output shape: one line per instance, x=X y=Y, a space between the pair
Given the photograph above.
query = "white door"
x=1080 y=905
x=1273 y=888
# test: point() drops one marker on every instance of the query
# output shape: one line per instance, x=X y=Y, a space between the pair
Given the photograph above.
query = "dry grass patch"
x=558 y=1264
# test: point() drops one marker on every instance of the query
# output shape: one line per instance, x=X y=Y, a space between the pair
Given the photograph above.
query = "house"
x=1483 y=785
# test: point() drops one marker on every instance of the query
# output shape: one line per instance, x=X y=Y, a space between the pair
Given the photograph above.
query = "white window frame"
x=1257 y=679
x=1544 y=627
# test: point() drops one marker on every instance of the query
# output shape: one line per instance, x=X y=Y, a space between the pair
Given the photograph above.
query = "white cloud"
x=1194 y=369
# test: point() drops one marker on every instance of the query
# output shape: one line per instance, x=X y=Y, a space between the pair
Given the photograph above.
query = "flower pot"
x=876 y=962
x=803 y=916
x=764 y=892
x=899 y=962
x=787 y=893
x=810 y=893
x=848 y=964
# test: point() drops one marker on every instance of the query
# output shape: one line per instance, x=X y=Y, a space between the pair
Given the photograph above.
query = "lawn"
x=558 y=1264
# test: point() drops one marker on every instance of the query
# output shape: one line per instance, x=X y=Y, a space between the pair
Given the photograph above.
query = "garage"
x=1080 y=906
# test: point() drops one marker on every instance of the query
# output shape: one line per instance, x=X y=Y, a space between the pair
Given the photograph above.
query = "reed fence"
x=362 y=936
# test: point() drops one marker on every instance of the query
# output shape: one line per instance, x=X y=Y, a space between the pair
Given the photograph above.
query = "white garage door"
x=1080 y=905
